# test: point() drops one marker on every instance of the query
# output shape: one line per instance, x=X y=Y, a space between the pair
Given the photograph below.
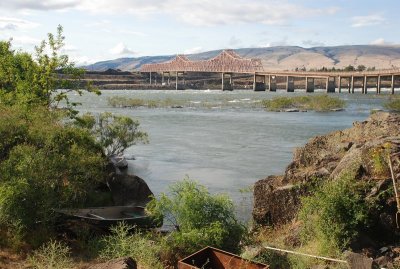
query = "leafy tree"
x=361 y=67
x=201 y=218
x=349 y=68
x=114 y=133
x=44 y=79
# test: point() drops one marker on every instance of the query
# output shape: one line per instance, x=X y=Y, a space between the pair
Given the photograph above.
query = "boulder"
x=129 y=190
x=121 y=263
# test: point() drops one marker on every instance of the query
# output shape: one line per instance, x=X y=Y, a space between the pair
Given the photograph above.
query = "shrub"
x=334 y=214
x=43 y=165
x=125 y=241
x=315 y=102
x=114 y=133
x=201 y=218
x=52 y=255
x=393 y=104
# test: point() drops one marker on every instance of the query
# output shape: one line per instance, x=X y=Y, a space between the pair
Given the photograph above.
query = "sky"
x=104 y=30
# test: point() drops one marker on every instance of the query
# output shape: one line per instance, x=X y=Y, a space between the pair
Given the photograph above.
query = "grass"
x=393 y=104
x=316 y=102
x=124 y=241
x=52 y=255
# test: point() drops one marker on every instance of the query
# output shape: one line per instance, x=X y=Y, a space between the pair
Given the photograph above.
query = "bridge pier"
x=378 y=84
x=330 y=84
x=340 y=84
x=177 y=85
x=272 y=83
x=365 y=85
x=289 y=84
x=226 y=86
x=257 y=85
x=352 y=84
x=310 y=86
x=392 y=86
x=150 y=78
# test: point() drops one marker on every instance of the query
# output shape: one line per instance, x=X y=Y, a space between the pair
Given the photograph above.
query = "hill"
x=284 y=57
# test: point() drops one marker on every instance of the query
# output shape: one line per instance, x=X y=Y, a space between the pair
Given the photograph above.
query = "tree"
x=361 y=68
x=114 y=133
x=349 y=68
x=44 y=79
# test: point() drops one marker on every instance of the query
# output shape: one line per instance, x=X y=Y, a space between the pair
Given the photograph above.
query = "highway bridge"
x=228 y=62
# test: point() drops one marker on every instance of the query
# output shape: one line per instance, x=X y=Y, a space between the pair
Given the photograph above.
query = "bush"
x=334 y=215
x=114 y=133
x=53 y=255
x=125 y=241
x=393 y=104
x=43 y=165
x=315 y=102
x=201 y=219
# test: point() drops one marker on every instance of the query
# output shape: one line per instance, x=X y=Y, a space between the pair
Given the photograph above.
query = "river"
x=227 y=145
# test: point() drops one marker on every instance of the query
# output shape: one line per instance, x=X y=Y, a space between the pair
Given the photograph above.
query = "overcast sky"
x=104 y=29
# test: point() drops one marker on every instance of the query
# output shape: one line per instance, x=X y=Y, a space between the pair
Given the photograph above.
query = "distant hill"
x=283 y=58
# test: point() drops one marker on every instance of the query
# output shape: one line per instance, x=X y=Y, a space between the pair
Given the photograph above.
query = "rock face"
x=357 y=150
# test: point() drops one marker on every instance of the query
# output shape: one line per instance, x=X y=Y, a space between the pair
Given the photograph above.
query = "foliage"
x=124 y=241
x=393 y=104
x=334 y=214
x=44 y=79
x=315 y=102
x=201 y=218
x=43 y=165
x=52 y=255
x=114 y=133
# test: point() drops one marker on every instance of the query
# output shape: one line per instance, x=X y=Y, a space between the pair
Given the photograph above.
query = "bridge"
x=228 y=62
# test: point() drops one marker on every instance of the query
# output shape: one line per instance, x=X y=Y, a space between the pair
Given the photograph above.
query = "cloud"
x=121 y=49
x=313 y=43
x=194 y=12
x=12 y=24
x=380 y=41
x=369 y=20
x=234 y=41
x=277 y=43
x=38 y=5
x=193 y=50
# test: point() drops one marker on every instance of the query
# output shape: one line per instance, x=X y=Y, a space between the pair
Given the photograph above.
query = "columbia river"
x=226 y=145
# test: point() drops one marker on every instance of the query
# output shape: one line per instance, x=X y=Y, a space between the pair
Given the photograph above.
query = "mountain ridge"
x=282 y=57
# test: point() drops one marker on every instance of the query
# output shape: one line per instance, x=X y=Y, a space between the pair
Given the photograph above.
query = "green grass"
x=393 y=104
x=53 y=255
x=315 y=102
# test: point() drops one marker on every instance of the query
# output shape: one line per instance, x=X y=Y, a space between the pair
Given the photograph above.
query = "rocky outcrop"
x=360 y=151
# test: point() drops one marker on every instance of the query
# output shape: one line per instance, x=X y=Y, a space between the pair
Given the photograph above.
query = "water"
x=226 y=146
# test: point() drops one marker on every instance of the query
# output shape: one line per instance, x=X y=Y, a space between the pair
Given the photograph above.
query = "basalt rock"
x=359 y=151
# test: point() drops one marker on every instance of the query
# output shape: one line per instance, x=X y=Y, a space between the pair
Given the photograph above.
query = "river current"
x=226 y=145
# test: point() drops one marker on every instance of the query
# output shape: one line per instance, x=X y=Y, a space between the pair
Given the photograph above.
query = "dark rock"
x=129 y=190
x=358 y=261
x=121 y=263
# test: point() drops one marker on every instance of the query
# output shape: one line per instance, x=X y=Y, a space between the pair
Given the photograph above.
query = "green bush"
x=393 y=104
x=52 y=255
x=124 y=241
x=114 y=133
x=44 y=165
x=315 y=102
x=334 y=215
x=201 y=219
